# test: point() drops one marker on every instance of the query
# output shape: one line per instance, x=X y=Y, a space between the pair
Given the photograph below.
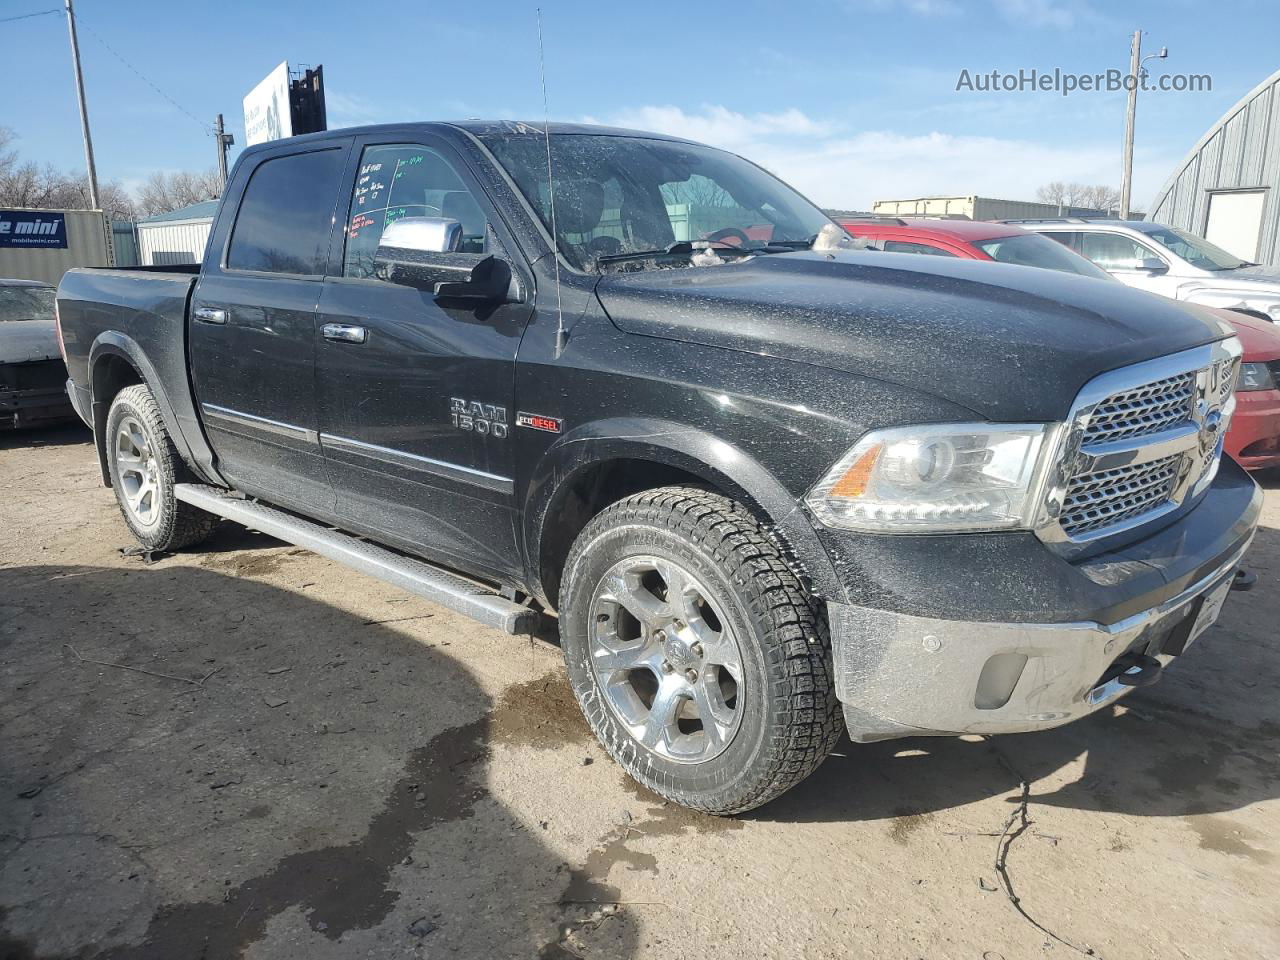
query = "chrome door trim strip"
x=255 y=427
x=418 y=464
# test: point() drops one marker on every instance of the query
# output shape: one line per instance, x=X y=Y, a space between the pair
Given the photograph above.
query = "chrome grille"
x=1228 y=373
x=1143 y=439
x=1149 y=408
x=1098 y=500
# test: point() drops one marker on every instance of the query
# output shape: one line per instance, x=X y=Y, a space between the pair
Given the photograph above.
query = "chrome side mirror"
x=422 y=235
x=1153 y=266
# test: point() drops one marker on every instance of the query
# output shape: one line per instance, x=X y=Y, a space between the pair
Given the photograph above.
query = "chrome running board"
x=448 y=589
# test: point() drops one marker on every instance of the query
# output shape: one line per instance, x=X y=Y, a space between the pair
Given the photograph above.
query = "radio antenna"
x=551 y=191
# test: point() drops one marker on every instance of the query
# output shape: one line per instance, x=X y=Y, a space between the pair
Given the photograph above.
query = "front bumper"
x=903 y=673
x=1254 y=437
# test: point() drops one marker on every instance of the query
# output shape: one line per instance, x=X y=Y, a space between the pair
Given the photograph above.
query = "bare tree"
x=8 y=156
x=1095 y=196
x=1100 y=197
x=27 y=184
x=164 y=192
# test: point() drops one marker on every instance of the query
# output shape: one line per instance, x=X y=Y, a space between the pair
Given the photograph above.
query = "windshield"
x=1197 y=251
x=1034 y=250
x=621 y=195
x=26 y=303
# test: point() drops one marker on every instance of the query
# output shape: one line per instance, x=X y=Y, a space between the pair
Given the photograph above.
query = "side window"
x=1111 y=251
x=406 y=180
x=906 y=246
x=1068 y=238
x=286 y=214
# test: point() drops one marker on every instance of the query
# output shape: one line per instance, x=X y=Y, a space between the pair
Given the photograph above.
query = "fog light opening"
x=1000 y=674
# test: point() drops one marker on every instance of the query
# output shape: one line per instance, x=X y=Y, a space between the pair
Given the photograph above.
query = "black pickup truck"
x=767 y=482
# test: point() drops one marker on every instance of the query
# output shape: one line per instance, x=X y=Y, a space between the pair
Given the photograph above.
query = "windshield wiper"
x=790 y=244
x=681 y=248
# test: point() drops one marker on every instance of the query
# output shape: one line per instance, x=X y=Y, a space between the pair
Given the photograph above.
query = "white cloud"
x=848 y=169
x=1042 y=13
x=719 y=125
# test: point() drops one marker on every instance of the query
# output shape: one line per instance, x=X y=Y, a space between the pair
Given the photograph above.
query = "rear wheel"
x=699 y=661
x=145 y=467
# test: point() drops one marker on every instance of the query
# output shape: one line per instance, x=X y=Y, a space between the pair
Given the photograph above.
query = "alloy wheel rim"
x=138 y=472
x=666 y=660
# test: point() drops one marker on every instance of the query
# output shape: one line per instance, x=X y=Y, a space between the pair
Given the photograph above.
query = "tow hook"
x=1243 y=579
x=1140 y=670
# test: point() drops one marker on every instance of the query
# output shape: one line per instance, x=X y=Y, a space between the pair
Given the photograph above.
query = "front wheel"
x=698 y=659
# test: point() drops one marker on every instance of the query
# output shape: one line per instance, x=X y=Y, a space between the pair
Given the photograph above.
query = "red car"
x=1254 y=437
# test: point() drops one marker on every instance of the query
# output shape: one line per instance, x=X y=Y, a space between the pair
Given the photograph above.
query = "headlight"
x=1256 y=376
x=937 y=478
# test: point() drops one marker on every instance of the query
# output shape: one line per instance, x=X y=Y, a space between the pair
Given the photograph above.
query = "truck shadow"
x=274 y=772
x=1205 y=739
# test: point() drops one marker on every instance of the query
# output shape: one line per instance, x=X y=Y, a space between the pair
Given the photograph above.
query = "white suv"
x=1168 y=261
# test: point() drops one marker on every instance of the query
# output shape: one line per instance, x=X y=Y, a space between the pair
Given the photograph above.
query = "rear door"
x=253 y=323
x=416 y=408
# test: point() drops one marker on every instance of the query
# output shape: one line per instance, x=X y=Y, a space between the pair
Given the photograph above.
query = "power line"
x=28 y=16
x=141 y=76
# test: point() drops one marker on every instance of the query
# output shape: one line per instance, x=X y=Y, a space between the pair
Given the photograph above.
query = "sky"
x=849 y=100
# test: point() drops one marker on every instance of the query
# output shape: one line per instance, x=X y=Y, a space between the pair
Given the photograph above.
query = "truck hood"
x=1009 y=343
x=22 y=341
x=1261 y=280
x=1259 y=274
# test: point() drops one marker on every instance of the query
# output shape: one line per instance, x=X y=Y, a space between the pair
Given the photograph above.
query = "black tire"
x=172 y=524
x=790 y=718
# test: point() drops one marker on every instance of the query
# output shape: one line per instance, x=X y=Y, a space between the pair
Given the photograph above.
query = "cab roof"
x=477 y=128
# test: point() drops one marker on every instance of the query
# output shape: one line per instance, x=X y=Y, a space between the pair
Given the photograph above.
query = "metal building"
x=980 y=208
x=178 y=236
x=45 y=244
x=1223 y=189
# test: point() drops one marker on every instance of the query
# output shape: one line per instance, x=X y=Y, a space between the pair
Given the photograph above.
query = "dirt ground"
x=305 y=763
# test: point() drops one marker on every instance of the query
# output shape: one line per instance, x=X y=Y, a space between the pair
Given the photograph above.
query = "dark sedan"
x=33 y=376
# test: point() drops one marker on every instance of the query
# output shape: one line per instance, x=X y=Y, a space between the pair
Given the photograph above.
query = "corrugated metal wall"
x=1240 y=151
x=175 y=241
x=88 y=245
x=124 y=245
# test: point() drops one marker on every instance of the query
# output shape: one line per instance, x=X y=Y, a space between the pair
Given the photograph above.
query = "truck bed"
x=139 y=315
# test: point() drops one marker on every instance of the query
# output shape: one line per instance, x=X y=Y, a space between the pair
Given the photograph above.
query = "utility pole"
x=224 y=141
x=1126 y=176
x=1136 y=71
x=84 y=112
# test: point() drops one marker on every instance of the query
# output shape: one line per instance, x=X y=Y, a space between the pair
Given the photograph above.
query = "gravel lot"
x=305 y=763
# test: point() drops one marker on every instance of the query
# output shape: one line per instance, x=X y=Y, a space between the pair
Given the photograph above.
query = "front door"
x=1123 y=257
x=253 y=318
x=416 y=392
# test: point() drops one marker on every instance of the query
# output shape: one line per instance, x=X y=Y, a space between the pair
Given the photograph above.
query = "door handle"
x=344 y=333
x=210 y=315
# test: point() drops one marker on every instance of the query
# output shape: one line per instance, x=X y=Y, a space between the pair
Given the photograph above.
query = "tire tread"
x=807 y=719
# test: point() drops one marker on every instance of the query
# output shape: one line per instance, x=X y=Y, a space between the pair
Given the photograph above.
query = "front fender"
x=689 y=449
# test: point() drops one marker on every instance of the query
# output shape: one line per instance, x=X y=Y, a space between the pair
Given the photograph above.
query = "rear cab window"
x=285 y=217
